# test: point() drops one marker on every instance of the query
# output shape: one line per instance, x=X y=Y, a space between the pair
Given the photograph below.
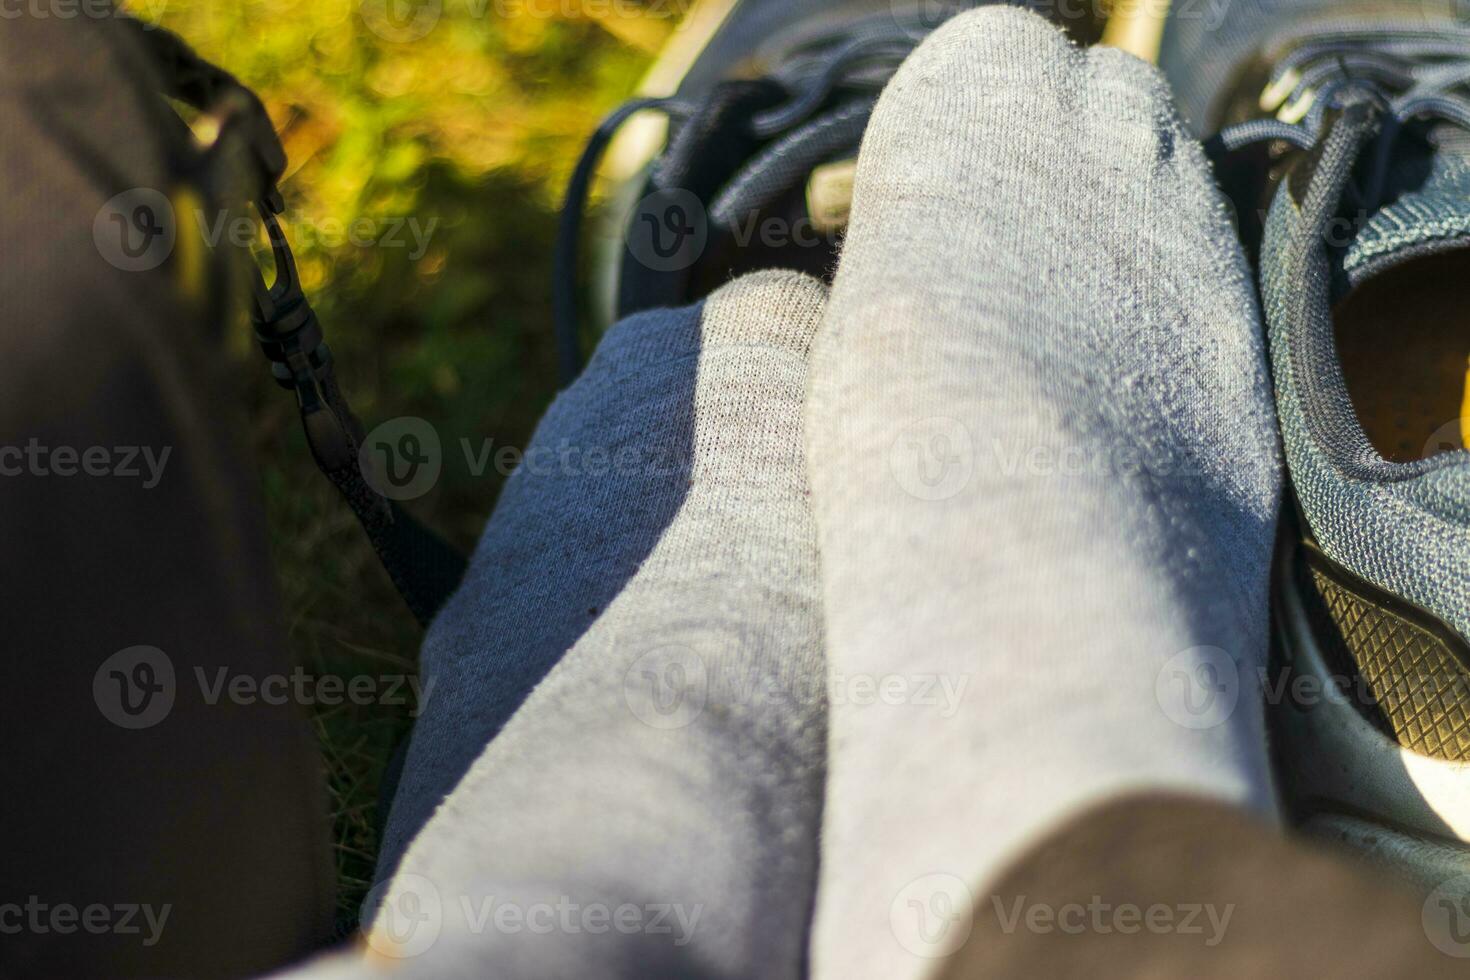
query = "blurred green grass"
x=475 y=127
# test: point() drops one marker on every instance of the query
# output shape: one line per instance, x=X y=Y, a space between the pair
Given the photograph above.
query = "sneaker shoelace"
x=1405 y=71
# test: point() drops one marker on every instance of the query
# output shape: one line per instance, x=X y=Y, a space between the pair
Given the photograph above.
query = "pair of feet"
x=1356 y=253
x=812 y=606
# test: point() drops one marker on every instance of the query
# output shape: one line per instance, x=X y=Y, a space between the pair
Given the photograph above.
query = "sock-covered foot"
x=1045 y=475
x=639 y=634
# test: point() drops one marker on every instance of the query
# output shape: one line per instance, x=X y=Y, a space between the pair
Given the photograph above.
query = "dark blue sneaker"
x=1344 y=143
x=765 y=118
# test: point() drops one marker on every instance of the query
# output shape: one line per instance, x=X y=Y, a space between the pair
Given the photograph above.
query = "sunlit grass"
x=470 y=131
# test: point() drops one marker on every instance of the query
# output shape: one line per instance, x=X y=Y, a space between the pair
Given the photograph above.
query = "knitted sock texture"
x=624 y=743
x=1045 y=476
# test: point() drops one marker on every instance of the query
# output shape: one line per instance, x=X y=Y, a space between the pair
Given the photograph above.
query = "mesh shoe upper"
x=1348 y=128
x=1405 y=527
x=1368 y=196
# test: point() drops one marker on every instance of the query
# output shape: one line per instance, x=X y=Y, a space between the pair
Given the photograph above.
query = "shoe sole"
x=1331 y=756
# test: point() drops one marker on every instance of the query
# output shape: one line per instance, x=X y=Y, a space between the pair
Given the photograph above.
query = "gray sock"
x=1046 y=478
x=639 y=634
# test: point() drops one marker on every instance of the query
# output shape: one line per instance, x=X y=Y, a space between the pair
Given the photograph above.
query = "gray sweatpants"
x=822 y=608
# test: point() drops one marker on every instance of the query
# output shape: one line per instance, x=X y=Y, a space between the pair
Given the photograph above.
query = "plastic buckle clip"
x=291 y=338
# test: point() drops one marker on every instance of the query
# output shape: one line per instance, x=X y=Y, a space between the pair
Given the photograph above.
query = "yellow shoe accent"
x=829 y=195
x=1137 y=26
x=643 y=136
x=1276 y=92
x=1465 y=411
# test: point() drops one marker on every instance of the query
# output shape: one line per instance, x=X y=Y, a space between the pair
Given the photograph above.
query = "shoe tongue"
x=1428 y=188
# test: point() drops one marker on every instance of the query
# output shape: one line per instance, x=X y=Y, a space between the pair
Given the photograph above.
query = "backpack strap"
x=424 y=567
x=185 y=76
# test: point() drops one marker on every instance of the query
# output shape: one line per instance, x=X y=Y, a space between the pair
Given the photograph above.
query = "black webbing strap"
x=195 y=82
x=423 y=566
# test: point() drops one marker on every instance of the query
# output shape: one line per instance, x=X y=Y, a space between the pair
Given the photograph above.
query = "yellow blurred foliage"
x=368 y=94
